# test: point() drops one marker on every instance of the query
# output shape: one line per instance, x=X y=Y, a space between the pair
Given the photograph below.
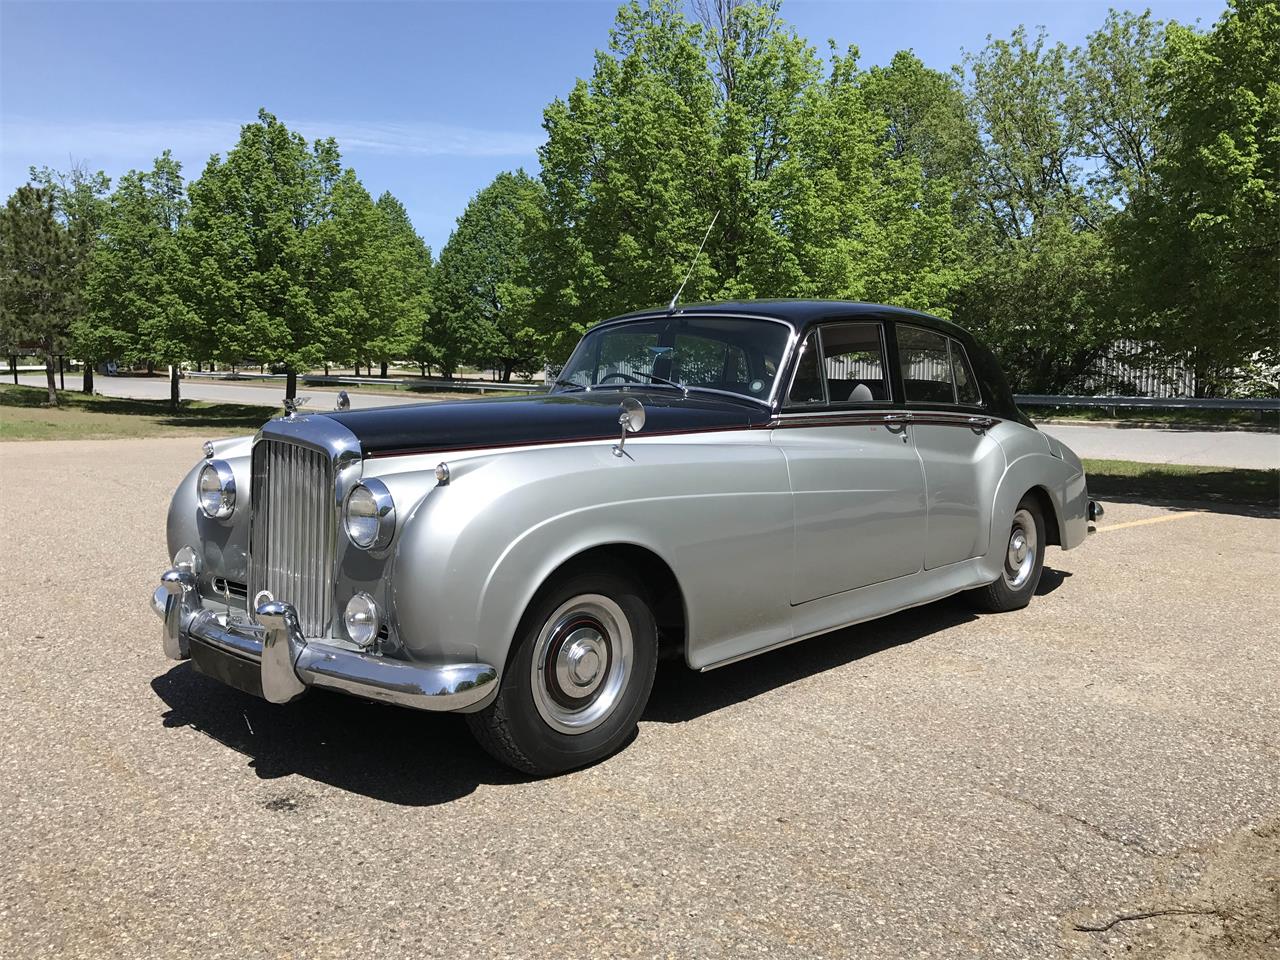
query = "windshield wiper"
x=654 y=378
x=558 y=382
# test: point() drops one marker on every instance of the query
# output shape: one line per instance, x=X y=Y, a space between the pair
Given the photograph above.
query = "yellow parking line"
x=1139 y=523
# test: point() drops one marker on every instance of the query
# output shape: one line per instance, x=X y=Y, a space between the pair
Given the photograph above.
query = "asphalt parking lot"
x=938 y=784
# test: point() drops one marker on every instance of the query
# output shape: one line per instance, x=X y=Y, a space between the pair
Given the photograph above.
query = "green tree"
x=40 y=275
x=1041 y=291
x=630 y=167
x=255 y=280
x=1117 y=105
x=1200 y=244
x=80 y=204
x=410 y=282
x=134 y=290
x=484 y=286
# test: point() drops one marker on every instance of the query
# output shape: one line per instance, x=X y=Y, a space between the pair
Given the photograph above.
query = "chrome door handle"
x=980 y=424
x=897 y=422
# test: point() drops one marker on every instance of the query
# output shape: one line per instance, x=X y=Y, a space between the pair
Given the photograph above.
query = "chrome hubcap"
x=581 y=663
x=1020 y=559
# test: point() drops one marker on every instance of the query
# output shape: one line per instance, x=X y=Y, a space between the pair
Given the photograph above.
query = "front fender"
x=475 y=552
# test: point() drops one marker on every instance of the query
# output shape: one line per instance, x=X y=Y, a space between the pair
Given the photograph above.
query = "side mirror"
x=631 y=417
x=343 y=402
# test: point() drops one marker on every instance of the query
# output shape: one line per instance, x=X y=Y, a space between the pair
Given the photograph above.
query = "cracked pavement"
x=936 y=784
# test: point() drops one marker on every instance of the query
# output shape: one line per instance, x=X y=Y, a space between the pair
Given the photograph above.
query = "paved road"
x=1214 y=448
x=1210 y=448
x=936 y=784
x=157 y=388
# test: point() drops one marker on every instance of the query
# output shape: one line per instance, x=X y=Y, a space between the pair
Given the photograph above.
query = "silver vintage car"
x=703 y=483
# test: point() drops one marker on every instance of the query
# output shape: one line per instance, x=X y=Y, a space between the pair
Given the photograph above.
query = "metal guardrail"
x=1261 y=404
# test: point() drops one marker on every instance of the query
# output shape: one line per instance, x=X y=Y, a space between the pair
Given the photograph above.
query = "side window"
x=926 y=366
x=853 y=355
x=966 y=385
x=808 y=385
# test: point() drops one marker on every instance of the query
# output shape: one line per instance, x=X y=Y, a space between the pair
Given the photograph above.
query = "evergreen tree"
x=40 y=276
x=80 y=204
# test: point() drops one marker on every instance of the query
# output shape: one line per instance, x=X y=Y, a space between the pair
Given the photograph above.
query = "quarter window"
x=808 y=386
x=966 y=385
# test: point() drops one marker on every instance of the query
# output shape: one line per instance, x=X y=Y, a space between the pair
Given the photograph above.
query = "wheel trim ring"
x=616 y=632
x=1020 y=554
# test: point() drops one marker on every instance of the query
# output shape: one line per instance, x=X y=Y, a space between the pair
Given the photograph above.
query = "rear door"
x=962 y=463
x=856 y=480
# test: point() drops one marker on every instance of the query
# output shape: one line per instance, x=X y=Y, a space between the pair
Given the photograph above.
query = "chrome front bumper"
x=287 y=663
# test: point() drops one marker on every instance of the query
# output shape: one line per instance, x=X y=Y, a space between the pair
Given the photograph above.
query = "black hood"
x=542 y=418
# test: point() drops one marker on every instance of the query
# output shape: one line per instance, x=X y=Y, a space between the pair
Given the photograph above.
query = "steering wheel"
x=620 y=376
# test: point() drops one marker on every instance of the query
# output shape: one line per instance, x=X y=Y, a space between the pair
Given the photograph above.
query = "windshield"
x=729 y=354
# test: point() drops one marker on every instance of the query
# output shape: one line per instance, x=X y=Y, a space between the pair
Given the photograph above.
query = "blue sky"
x=429 y=100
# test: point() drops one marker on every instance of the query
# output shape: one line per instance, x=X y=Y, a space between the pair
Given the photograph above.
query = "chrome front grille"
x=291 y=537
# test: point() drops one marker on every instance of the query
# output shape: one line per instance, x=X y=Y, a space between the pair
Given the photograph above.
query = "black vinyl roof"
x=801 y=314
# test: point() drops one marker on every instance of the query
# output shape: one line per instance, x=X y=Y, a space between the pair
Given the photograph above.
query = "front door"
x=856 y=479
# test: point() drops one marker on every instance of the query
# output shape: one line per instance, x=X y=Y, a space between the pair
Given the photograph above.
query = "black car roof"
x=801 y=314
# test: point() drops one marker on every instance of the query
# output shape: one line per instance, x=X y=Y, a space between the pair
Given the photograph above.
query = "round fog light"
x=362 y=620
x=186 y=559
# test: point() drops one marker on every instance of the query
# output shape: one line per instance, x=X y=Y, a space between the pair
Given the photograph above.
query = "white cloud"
x=104 y=141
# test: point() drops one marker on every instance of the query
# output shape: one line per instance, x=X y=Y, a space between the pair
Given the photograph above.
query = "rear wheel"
x=1023 y=562
x=578 y=677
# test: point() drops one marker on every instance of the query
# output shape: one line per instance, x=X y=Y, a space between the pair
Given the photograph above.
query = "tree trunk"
x=175 y=393
x=506 y=372
x=62 y=371
x=48 y=372
x=291 y=385
x=151 y=367
x=88 y=377
x=13 y=368
x=326 y=369
x=423 y=367
x=383 y=374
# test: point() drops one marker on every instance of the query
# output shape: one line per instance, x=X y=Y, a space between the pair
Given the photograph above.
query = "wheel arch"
x=649 y=569
x=1048 y=510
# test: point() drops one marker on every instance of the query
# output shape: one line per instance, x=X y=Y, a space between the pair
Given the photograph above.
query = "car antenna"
x=676 y=299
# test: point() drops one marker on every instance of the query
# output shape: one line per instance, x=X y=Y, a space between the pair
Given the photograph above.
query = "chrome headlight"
x=216 y=489
x=369 y=515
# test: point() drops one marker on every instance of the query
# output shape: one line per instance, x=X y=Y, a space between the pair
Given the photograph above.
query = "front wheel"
x=1023 y=563
x=578 y=678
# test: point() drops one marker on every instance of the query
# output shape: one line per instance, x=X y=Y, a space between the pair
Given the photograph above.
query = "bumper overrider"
x=272 y=659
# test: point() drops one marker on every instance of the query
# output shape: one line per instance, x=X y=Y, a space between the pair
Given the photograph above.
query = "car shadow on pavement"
x=406 y=757
x=680 y=695
x=415 y=758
